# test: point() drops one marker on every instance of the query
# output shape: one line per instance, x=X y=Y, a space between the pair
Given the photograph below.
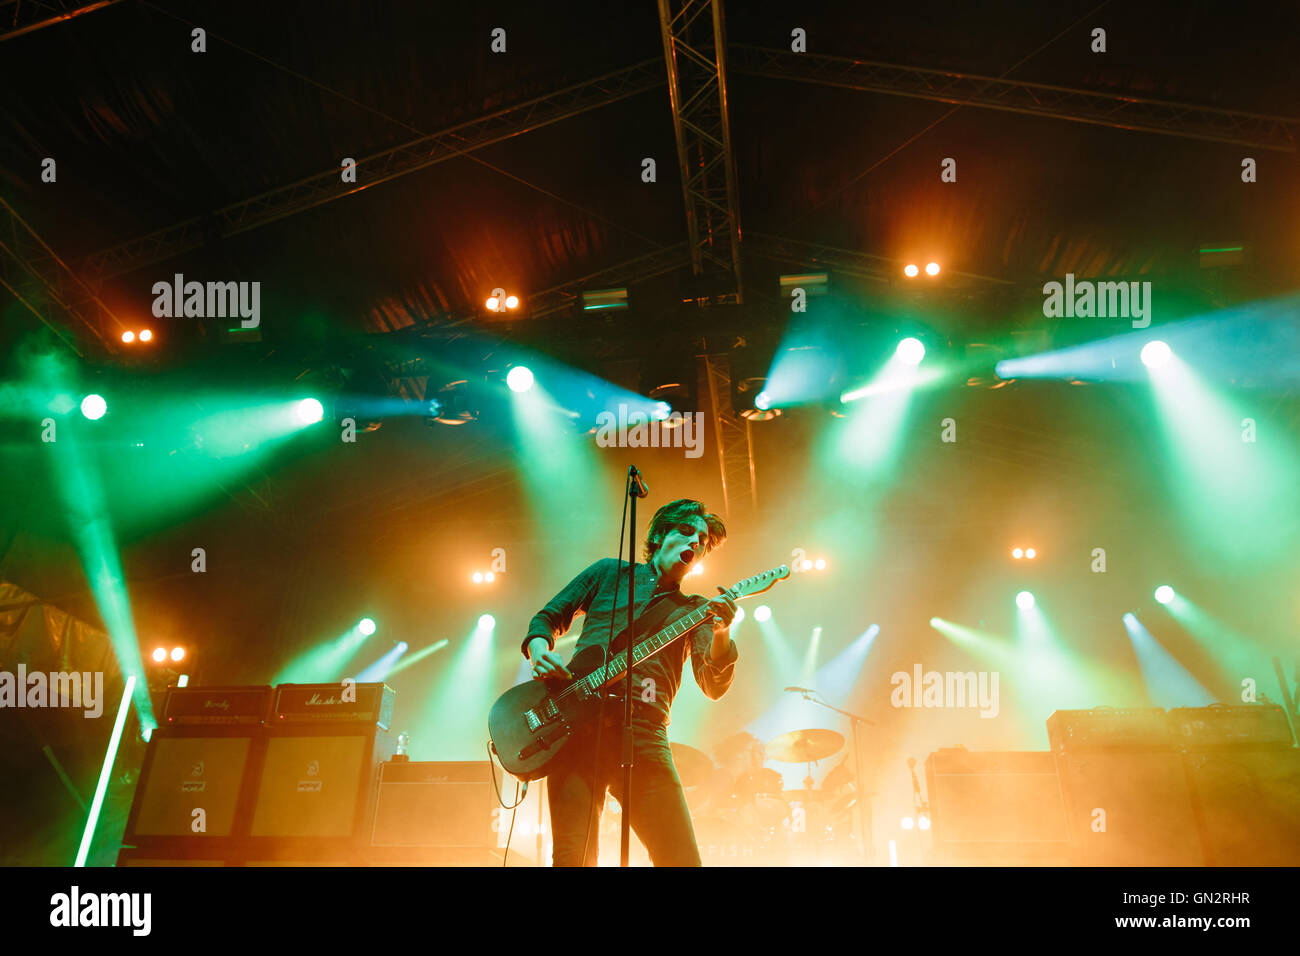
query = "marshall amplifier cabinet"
x=1128 y=729
x=216 y=706
x=194 y=788
x=343 y=702
x=435 y=812
x=1218 y=727
x=996 y=808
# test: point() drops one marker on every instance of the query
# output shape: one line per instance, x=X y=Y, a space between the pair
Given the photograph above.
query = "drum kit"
x=743 y=814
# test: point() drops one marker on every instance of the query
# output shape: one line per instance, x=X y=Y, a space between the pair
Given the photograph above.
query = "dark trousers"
x=659 y=814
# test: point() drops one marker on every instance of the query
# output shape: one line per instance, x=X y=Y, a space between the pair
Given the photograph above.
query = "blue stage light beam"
x=1168 y=683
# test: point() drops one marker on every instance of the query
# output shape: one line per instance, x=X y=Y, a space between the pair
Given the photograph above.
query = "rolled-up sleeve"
x=713 y=677
x=557 y=616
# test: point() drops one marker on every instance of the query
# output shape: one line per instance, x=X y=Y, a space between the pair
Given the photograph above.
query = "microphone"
x=639 y=488
x=801 y=690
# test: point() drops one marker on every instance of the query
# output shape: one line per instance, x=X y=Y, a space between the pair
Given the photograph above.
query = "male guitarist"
x=681 y=533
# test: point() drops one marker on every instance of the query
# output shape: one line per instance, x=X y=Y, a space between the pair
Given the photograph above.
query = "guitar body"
x=531 y=723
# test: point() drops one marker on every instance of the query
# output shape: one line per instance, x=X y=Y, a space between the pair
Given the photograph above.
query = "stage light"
x=1018 y=553
x=698 y=569
x=762 y=613
x=1025 y=600
x=661 y=411
x=512 y=302
x=178 y=653
x=1164 y=594
x=309 y=411
x=923 y=821
x=907 y=823
x=520 y=378
x=145 y=335
x=910 y=270
x=128 y=336
x=805 y=565
x=160 y=654
x=493 y=304
x=1030 y=553
x=762 y=401
x=820 y=564
x=932 y=268
x=183 y=680
x=94 y=407
x=489 y=577
x=910 y=351
x=1155 y=354
x=366 y=626
x=740 y=615
x=478 y=577
x=487 y=622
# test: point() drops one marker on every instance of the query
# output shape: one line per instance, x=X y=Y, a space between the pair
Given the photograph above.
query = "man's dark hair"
x=675 y=512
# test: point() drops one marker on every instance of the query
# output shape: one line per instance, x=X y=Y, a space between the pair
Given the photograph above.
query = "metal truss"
x=735 y=451
x=864 y=265
x=31 y=15
x=560 y=297
x=47 y=287
x=1036 y=99
x=381 y=167
x=695 y=46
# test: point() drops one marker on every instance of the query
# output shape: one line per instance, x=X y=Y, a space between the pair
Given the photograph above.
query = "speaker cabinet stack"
x=261 y=776
x=1217 y=786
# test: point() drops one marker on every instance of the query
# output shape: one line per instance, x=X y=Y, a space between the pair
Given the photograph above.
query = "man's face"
x=683 y=545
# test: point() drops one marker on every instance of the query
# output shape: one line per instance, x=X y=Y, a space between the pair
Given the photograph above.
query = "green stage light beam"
x=418 y=656
x=101 y=788
x=453 y=724
x=1237 y=656
x=810 y=656
x=565 y=475
x=1237 y=497
x=82 y=494
x=325 y=662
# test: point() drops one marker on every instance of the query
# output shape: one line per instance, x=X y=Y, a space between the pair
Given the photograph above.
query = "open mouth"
x=687 y=556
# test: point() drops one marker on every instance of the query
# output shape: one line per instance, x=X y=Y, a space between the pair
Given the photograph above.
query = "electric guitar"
x=530 y=723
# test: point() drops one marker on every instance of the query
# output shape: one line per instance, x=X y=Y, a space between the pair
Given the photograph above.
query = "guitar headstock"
x=758 y=583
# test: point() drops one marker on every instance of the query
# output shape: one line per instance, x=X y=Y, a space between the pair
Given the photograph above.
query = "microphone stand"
x=865 y=845
x=633 y=492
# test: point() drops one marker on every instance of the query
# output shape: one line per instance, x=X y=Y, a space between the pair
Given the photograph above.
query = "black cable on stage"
x=513 y=808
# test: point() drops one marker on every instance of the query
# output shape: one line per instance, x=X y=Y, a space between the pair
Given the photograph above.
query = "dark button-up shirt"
x=600 y=593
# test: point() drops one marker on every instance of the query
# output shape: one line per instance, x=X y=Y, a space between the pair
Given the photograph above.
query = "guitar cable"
x=609 y=641
x=513 y=808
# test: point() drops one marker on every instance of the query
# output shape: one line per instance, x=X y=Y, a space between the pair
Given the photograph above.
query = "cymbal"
x=693 y=766
x=804 y=746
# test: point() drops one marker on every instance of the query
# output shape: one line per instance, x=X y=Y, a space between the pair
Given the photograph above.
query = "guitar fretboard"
x=617 y=665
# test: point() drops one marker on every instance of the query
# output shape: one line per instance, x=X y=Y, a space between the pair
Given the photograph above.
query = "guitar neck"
x=616 y=667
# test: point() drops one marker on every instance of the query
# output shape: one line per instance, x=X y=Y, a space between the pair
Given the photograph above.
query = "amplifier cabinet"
x=195 y=783
x=1129 y=809
x=1249 y=803
x=445 y=805
x=996 y=808
x=318 y=781
x=1241 y=727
